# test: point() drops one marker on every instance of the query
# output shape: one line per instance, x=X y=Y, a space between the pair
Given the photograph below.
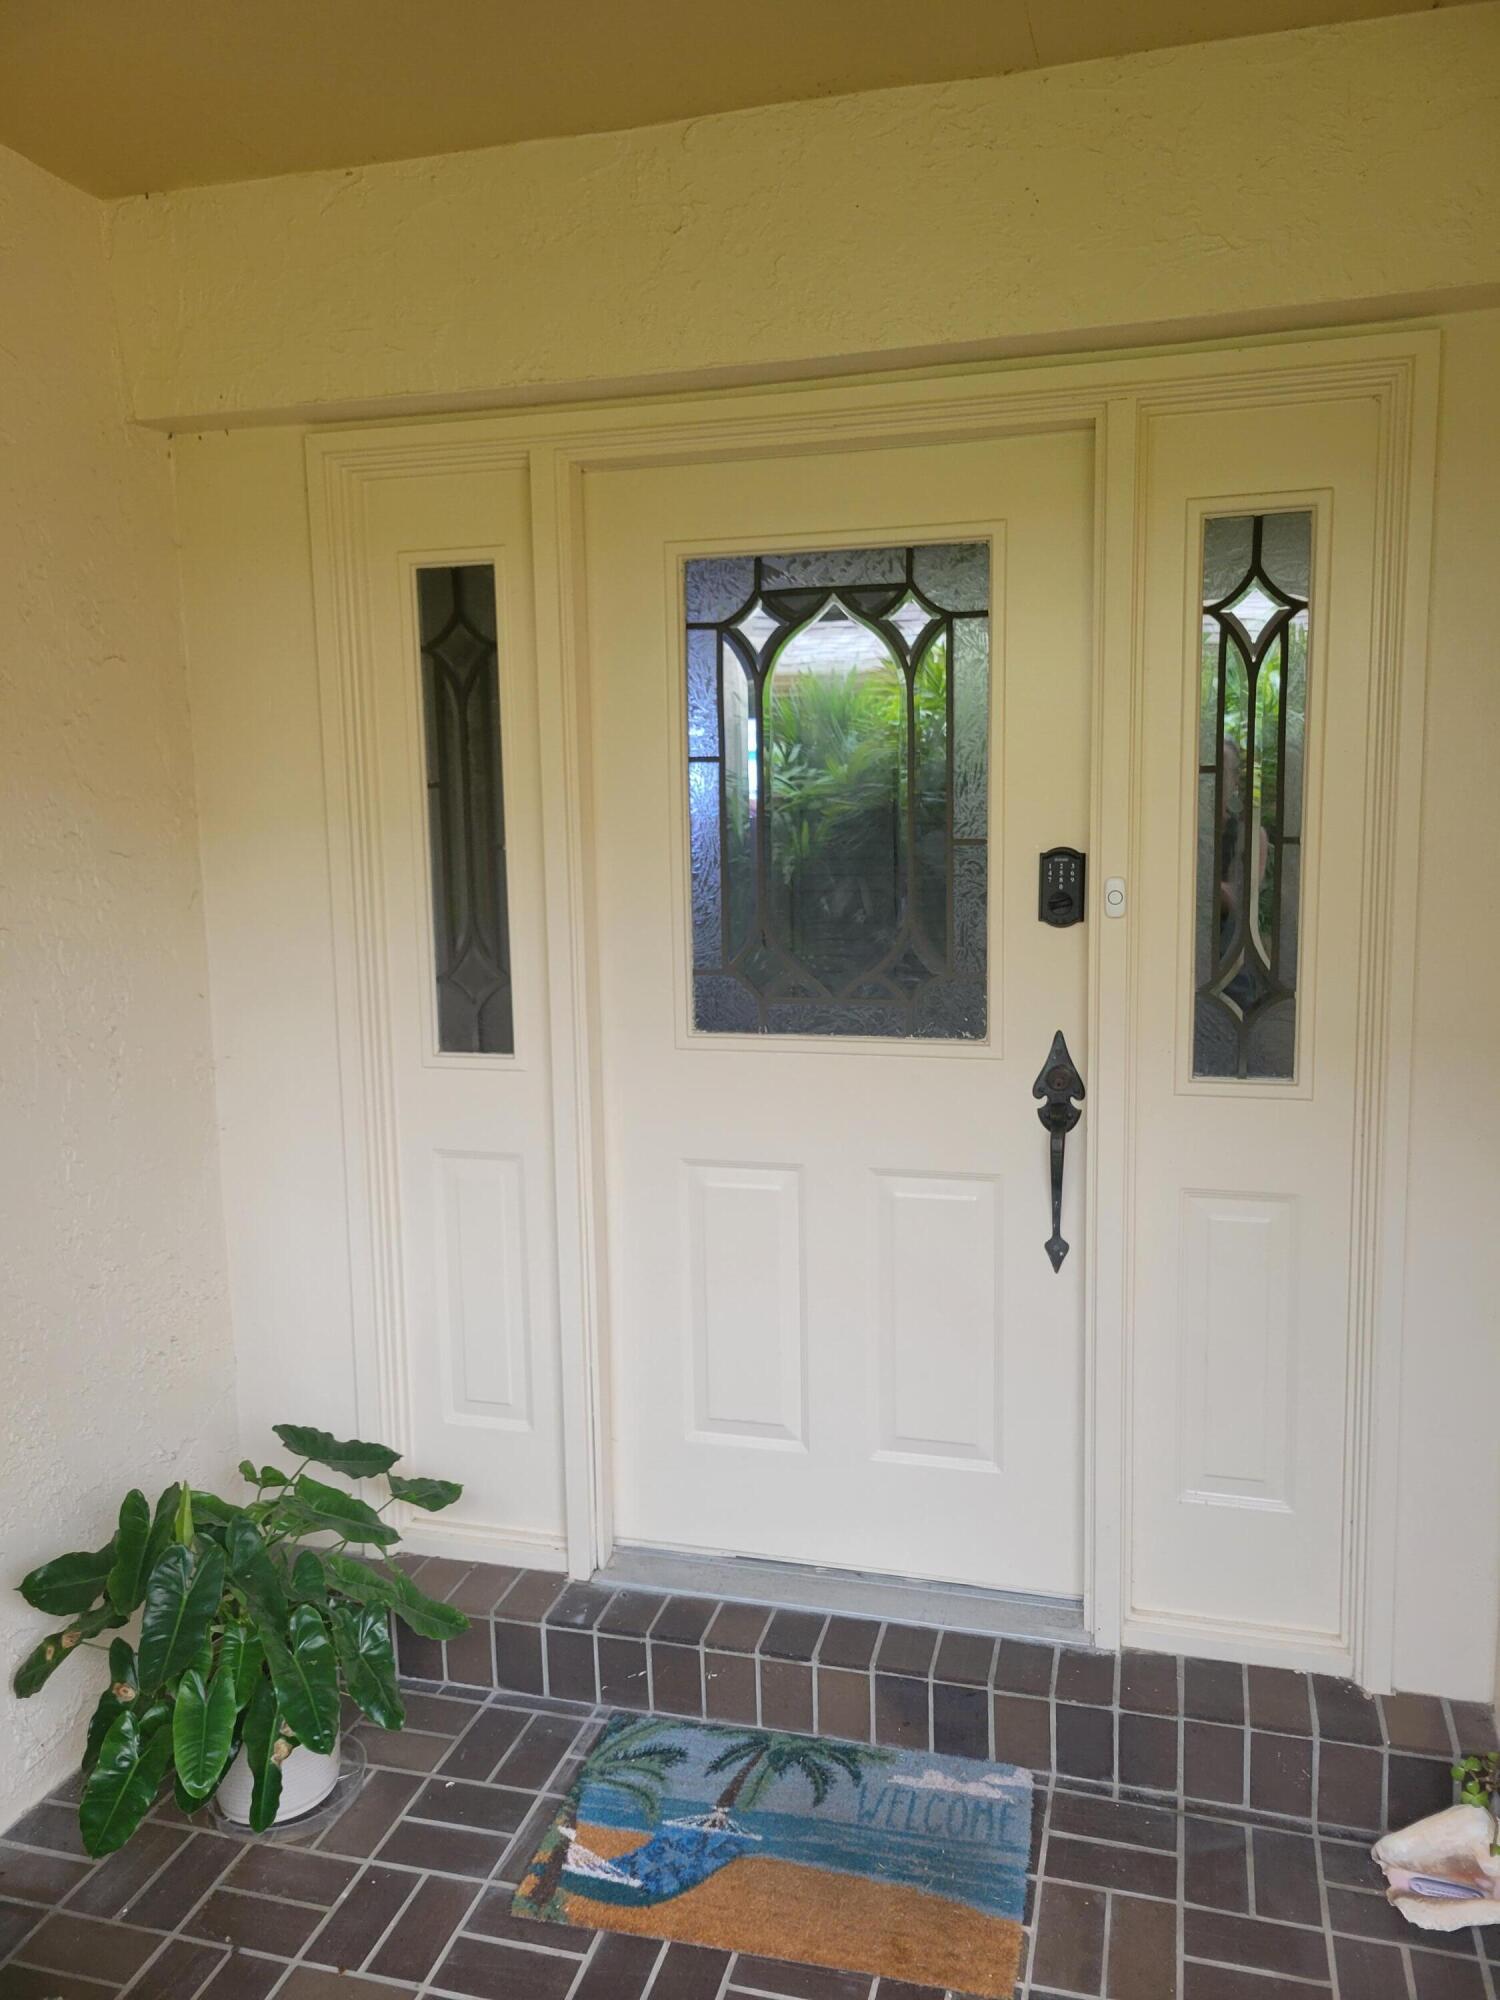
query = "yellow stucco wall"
x=116 y=1366
x=1296 y=178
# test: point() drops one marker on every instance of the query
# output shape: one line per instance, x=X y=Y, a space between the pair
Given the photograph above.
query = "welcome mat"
x=841 y=1854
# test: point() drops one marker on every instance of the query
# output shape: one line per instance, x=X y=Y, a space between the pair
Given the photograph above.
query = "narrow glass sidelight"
x=838 y=780
x=466 y=808
x=1252 y=747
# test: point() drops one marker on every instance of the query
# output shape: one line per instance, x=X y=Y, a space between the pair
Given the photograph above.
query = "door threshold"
x=805 y=1587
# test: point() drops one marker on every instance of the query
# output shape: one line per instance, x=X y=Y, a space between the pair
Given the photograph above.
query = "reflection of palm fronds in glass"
x=838 y=762
x=1282 y=676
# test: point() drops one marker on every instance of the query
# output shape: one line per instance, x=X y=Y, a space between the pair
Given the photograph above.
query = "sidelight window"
x=1252 y=736
x=466 y=807
x=838 y=777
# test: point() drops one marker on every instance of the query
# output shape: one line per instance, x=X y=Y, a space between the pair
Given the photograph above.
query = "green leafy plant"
x=1282 y=676
x=841 y=751
x=255 y=1619
x=1478 y=1783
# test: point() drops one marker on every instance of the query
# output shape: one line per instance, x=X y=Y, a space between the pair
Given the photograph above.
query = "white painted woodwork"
x=744 y=1303
x=482 y=1309
x=870 y=1363
x=1246 y=1194
x=939 y=1304
x=468 y=1386
x=1370 y=1426
x=1238 y=1341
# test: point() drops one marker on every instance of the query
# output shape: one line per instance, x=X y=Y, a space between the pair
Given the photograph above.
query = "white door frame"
x=1117 y=399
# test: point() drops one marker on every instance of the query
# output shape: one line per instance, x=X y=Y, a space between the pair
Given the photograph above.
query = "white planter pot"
x=307 y=1777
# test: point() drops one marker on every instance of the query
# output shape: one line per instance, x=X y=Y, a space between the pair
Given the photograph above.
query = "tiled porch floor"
x=410 y=1890
x=1187 y=1731
x=1137 y=1893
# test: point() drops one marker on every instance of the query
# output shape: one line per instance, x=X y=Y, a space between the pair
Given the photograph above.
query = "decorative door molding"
x=1116 y=400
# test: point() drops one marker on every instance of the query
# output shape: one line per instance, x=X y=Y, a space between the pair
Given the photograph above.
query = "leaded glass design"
x=1252 y=738
x=838 y=779
x=466 y=807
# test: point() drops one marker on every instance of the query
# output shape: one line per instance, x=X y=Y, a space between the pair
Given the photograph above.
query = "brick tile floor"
x=409 y=1892
x=1202 y=1831
x=1198 y=1732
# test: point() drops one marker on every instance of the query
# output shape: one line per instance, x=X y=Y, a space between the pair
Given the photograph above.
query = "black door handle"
x=1057 y=1086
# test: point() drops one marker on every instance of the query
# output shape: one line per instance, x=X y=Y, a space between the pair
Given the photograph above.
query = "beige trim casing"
x=1117 y=400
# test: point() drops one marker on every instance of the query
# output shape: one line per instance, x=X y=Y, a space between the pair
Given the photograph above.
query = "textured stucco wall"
x=116 y=1363
x=258 y=750
x=1291 y=176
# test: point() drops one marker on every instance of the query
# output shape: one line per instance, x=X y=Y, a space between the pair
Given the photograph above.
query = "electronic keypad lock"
x=1060 y=887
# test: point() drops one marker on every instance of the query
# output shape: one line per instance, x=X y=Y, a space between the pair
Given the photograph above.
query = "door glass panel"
x=838 y=780
x=1252 y=742
x=466 y=807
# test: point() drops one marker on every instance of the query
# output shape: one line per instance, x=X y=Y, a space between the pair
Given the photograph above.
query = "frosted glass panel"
x=466 y=807
x=838 y=779
x=1252 y=738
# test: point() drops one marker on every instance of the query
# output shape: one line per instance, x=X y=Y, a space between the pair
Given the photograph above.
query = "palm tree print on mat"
x=635 y=1761
x=760 y=1758
x=903 y=1863
x=632 y=1758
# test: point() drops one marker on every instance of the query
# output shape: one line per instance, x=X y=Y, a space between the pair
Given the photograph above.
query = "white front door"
x=825 y=994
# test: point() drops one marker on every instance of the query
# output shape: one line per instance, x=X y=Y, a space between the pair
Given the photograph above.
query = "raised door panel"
x=484 y=1315
x=938 y=1308
x=744 y=1305
x=1237 y=1335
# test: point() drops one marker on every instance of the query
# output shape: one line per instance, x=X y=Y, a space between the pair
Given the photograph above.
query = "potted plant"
x=255 y=1620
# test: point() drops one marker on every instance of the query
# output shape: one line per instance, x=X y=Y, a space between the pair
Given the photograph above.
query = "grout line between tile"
x=180 y=1931
x=1486 y=1971
x=1109 y=1915
x=656 y=1966
x=1045 y=1809
x=18 y=1958
x=260 y=1895
x=1450 y=1723
x=1324 y=1911
x=586 y=1961
x=121 y=1915
x=212 y=1973
x=1055 y=1993
x=401 y=1910
x=1179 y=1929
x=1385 y=1788
x=728 y=1973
